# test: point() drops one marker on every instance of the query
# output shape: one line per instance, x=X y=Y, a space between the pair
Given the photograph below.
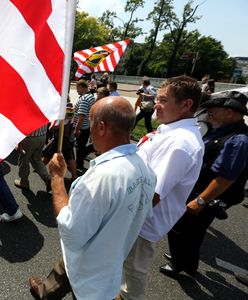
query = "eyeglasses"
x=211 y=114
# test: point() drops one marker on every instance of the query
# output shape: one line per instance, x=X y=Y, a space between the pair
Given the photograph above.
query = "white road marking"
x=228 y=266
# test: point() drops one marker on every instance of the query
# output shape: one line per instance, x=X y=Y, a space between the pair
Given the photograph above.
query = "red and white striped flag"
x=35 y=37
x=99 y=59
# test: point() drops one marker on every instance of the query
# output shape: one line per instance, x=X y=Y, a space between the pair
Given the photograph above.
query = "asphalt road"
x=30 y=246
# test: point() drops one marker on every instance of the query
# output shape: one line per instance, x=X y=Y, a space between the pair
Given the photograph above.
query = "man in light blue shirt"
x=102 y=216
x=113 y=89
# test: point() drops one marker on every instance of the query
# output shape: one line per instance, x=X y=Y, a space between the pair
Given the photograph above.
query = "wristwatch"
x=200 y=201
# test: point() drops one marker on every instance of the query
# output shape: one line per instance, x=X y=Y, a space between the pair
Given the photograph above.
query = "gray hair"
x=120 y=119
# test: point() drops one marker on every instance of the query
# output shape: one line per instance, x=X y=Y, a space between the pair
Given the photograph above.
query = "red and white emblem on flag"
x=32 y=55
x=99 y=59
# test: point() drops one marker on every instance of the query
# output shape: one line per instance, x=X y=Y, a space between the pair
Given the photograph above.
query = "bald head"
x=116 y=112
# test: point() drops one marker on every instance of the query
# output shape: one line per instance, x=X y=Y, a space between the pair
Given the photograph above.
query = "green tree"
x=107 y=20
x=163 y=51
x=88 y=32
x=129 y=28
x=177 y=30
x=132 y=58
x=213 y=59
x=160 y=16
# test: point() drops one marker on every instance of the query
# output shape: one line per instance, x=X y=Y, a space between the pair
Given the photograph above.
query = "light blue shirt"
x=114 y=93
x=106 y=210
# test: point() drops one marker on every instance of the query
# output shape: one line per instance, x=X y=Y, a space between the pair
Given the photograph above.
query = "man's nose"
x=157 y=104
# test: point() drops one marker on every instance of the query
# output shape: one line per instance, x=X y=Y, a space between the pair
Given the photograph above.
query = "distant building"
x=242 y=66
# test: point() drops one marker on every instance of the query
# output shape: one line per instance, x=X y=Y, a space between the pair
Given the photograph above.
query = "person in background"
x=102 y=92
x=31 y=152
x=204 y=83
x=210 y=86
x=201 y=115
x=11 y=209
x=175 y=153
x=68 y=142
x=145 y=102
x=104 y=210
x=93 y=84
x=113 y=88
x=104 y=79
x=81 y=121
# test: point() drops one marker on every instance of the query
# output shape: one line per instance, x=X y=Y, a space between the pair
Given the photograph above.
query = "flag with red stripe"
x=99 y=59
x=32 y=63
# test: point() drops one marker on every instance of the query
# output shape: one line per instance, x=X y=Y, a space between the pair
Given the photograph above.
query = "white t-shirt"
x=175 y=153
x=106 y=210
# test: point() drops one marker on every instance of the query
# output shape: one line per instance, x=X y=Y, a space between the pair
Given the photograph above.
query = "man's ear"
x=187 y=104
x=101 y=128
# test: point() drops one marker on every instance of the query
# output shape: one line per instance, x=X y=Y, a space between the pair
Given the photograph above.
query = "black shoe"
x=167 y=256
x=48 y=186
x=245 y=204
x=168 y=270
x=221 y=214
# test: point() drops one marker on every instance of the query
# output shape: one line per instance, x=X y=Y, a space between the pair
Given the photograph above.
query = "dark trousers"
x=147 y=115
x=81 y=146
x=56 y=286
x=88 y=150
x=186 y=237
x=7 y=199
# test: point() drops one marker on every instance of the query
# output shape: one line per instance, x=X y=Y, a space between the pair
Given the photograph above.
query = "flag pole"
x=69 y=34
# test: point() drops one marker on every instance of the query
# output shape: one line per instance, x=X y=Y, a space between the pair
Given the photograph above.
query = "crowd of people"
x=174 y=182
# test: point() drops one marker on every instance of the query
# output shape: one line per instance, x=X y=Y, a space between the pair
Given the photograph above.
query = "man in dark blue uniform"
x=220 y=184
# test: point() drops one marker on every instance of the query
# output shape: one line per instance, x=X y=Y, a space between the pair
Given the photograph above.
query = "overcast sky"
x=224 y=20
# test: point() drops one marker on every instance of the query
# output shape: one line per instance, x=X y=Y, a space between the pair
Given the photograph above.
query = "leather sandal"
x=34 y=283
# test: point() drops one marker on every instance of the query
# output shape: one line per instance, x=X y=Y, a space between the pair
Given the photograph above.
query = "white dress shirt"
x=175 y=153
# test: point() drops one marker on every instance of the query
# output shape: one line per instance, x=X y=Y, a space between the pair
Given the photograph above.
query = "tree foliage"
x=177 y=30
x=128 y=29
x=213 y=59
x=131 y=30
x=89 y=32
x=180 y=51
x=160 y=16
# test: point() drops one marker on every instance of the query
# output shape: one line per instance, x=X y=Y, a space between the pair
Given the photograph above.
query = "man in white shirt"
x=175 y=153
x=145 y=102
x=101 y=217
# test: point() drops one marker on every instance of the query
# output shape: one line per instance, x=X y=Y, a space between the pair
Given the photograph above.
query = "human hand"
x=20 y=149
x=57 y=166
x=76 y=132
x=193 y=207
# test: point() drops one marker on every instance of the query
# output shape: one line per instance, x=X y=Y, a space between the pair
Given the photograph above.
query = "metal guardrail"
x=156 y=82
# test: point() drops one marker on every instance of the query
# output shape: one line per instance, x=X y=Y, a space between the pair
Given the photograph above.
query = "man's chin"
x=215 y=126
x=159 y=120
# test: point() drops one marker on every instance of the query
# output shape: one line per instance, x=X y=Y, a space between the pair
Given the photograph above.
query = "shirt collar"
x=177 y=124
x=221 y=131
x=114 y=153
